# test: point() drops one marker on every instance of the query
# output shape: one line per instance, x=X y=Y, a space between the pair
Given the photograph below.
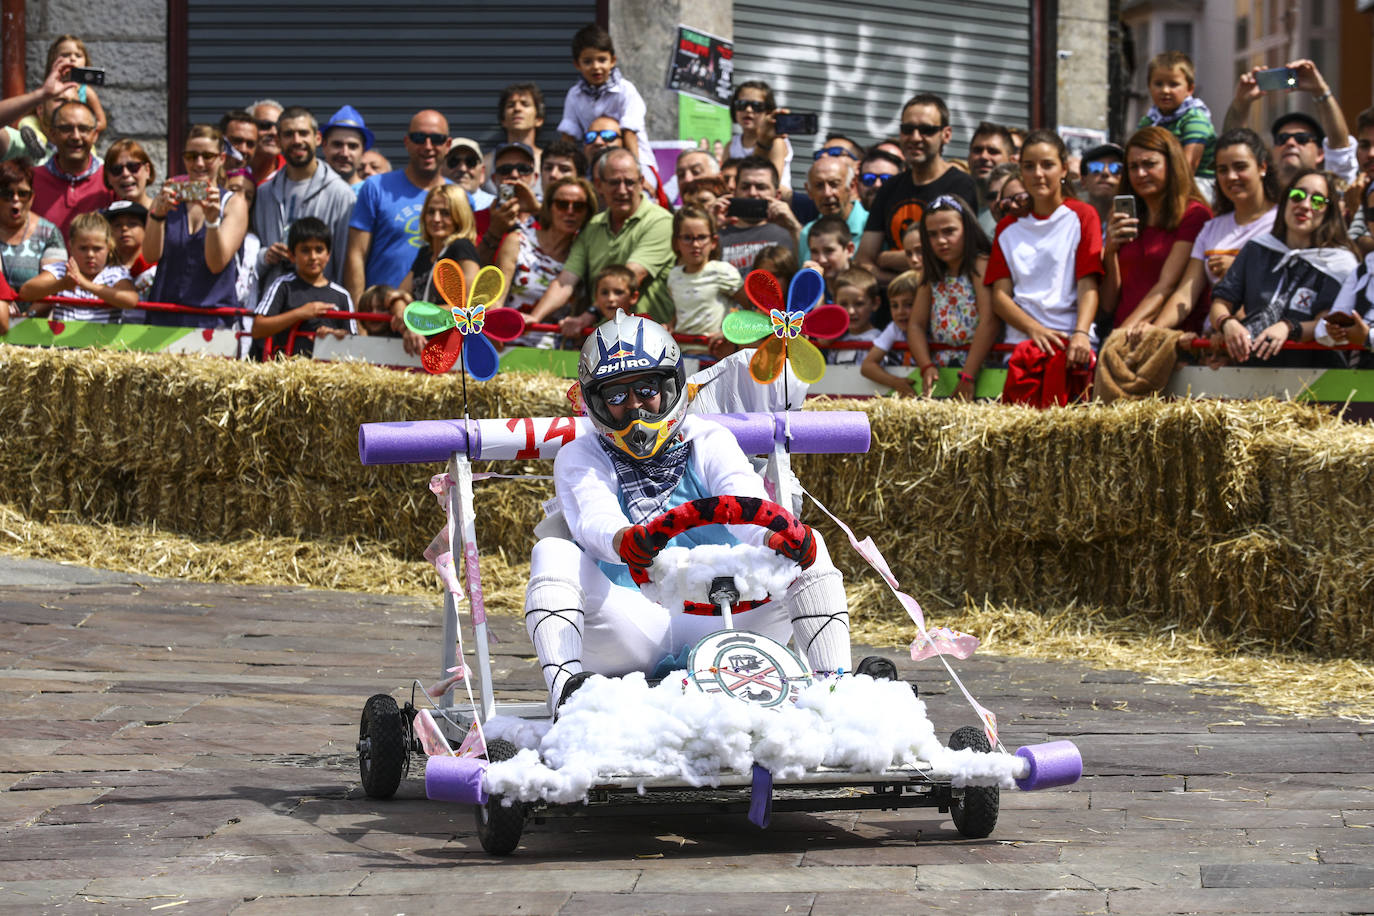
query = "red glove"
x=802 y=552
x=637 y=548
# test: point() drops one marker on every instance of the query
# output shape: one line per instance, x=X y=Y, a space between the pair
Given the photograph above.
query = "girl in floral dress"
x=952 y=307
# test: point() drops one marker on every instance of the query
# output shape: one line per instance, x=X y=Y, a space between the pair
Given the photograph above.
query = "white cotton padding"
x=616 y=727
x=681 y=574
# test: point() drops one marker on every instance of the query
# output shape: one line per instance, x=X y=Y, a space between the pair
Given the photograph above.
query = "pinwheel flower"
x=461 y=328
x=787 y=323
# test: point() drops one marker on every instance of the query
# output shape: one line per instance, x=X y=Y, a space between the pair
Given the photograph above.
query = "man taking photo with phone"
x=754 y=218
x=1300 y=141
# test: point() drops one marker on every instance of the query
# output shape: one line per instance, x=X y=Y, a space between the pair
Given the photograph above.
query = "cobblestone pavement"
x=189 y=748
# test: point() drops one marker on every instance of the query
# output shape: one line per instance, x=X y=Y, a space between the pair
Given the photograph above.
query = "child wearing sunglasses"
x=1283 y=282
x=603 y=91
x=753 y=109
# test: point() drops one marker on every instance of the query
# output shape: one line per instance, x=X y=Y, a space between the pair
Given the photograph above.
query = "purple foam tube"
x=455 y=779
x=806 y=433
x=1055 y=763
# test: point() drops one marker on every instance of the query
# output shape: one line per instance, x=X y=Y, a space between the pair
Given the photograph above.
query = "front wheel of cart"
x=975 y=811
x=499 y=826
x=382 y=747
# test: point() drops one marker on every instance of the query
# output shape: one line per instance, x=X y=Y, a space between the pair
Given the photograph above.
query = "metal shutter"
x=387 y=59
x=855 y=63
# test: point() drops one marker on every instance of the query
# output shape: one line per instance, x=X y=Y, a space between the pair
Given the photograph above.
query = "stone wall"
x=1082 y=64
x=128 y=40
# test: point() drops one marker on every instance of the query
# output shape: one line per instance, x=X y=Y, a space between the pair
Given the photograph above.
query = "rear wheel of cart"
x=499 y=826
x=975 y=811
x=382 y=747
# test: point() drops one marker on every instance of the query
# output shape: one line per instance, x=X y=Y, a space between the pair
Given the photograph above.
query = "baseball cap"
x=1104 y=150
x=125 y=208
x=522 y=147
x=348 y=116
x=1312 y=125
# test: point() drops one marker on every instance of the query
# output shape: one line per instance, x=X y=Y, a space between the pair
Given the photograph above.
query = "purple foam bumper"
x=811 y=432
x=455 y=779
x=1056 y=763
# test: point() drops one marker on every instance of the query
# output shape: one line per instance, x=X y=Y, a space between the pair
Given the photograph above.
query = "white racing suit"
x=583 y=611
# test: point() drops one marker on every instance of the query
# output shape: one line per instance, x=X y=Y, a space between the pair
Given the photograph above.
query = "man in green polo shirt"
x=630 y=231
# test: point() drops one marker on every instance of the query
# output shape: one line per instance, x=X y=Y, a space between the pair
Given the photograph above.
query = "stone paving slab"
x=190 y=744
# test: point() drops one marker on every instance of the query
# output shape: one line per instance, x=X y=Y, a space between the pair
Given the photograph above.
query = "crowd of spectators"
x=1022 y=255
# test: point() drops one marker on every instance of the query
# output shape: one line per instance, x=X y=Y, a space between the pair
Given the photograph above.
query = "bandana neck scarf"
x=1159 y=119
x=596 y=92
x=646 y=485
x=92 y=167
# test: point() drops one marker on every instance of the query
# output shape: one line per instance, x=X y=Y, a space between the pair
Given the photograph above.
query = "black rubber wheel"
x=383 y=751
x=975 y=812
x=499 y=826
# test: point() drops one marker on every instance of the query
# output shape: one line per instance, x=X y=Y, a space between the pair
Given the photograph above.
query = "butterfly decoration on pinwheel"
x=465 y=326
x=786 y=324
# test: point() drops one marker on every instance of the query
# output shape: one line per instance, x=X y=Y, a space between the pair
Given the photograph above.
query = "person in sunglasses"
x=128 y=172
x=1283 y=282
x=583 y=611
x=72 y=181
x=900 y=203
x=533 y=259
x=1100 y=173
x=754 y=109
x=383 y=233
x=1300 y=140
x=877 y=168
x=304 y=186
x=267 y=155
x=194 y=232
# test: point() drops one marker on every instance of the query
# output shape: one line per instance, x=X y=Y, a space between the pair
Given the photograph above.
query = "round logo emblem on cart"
x=748 y=667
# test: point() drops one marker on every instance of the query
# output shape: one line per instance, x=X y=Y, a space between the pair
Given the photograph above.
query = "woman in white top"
x=1247 y=199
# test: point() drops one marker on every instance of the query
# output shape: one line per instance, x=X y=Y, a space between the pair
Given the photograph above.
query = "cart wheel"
x=499 y=826
x=382 y=748
x=975 y=814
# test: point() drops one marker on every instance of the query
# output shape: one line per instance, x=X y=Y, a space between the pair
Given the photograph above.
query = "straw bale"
x=1317 y=486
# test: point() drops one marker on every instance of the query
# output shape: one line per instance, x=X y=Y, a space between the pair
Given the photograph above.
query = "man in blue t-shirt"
x=384 y=233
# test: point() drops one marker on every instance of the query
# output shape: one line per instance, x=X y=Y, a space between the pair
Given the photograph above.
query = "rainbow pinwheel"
x=787 y=323
x=462 y=328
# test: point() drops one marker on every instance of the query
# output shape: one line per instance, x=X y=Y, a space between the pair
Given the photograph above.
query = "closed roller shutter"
x=387 y=59
x=855 y=64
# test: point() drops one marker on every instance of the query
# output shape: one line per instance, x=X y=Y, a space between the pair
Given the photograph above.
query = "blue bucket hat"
x=348 y=116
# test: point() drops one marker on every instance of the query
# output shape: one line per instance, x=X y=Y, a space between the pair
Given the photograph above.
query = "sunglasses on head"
x=133 y=166
x=420 y=138
x=1300 y=137
x=1111 y=168
x=607 y=135
x=925 y=130
x=834 y=151
x=466 y=158
x=869 y=179
x=644 y=389
x=507 y=169
x=266 y=125
x=751 y=105
x=1318 y=201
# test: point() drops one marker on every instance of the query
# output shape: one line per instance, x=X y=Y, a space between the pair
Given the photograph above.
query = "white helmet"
x=626 y=347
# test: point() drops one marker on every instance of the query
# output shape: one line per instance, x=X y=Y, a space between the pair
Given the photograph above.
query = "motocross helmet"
x=622 y=348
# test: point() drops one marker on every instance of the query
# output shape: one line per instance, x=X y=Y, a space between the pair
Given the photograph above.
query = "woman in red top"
x=1145 y=256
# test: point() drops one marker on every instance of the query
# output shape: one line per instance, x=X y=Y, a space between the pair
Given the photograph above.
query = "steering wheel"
x=720 y=510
